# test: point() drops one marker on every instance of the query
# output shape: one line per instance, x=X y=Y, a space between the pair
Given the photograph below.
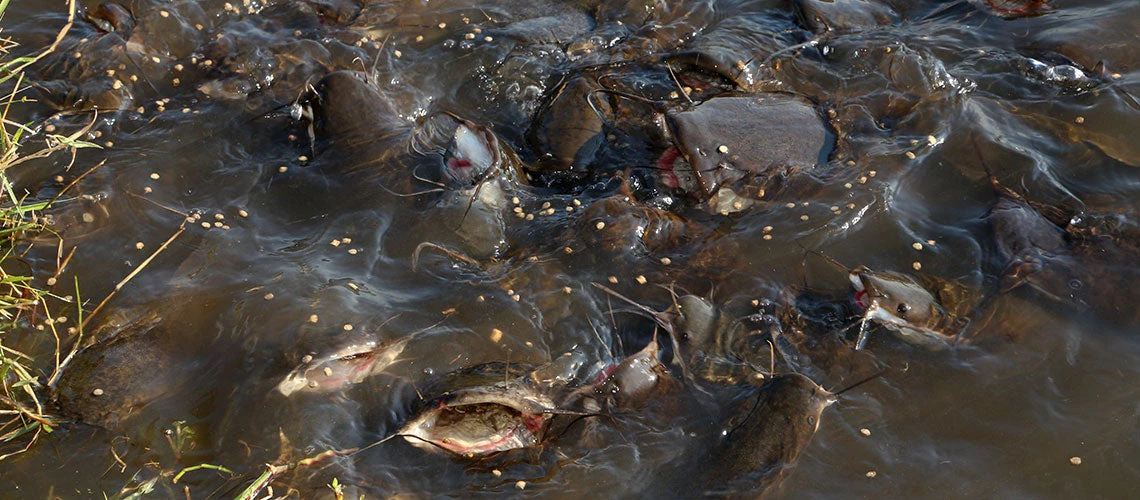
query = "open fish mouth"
x=476 y=429
x=476 y=422
x=869 y=299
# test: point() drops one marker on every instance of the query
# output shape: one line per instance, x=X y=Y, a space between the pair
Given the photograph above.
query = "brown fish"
x=769 y=432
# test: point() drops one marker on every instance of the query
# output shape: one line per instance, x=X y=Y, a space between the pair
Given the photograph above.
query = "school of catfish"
x=648 y=221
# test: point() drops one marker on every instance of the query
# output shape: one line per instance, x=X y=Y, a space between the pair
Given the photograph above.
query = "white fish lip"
x=908 y=332
x=530 y=416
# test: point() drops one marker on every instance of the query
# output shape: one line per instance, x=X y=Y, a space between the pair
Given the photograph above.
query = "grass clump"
x=23 y=413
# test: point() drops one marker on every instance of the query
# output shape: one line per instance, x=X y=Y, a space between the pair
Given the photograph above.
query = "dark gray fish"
x=1083 y=265
x=844 y=15
x=725 y=139
x=703 y=337
x=115 y=378
x=766 y=436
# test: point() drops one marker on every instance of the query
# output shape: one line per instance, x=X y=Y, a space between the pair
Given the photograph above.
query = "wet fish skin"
x=726 y=138
x=768 y=433
x=343 y=368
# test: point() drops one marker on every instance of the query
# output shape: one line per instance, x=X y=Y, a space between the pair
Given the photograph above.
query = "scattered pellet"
x=419 y=38
x=847 y=185
x=206 y=225
x=790 y=205
x=487 y=38
x=567 y=250
x=666 y=260
x=916 y=265
x=640 y=279
x=520 y=485
x=910 y=155
x=154 y=175
x=442 y=25
x=722 y=149
x=1080 y=119
x=139 y=245
x=397 y=53
x=282 y=169
x=872 y=173
x=804 y=217
x=302 y=158
x=353 y=251
x=516 y=297
x=600 y=225
x=865 y=431
x=497 y=472
x=871 y=474
x=313 y=318
x=1075 y=460
x=496 y=335
x=612 y=279
x=243 y=213
x=916 y=245
x=269 y=296
x=328 y=371
x=97 y=392
x=348 y=327
x=767 y=237
x=930 y=242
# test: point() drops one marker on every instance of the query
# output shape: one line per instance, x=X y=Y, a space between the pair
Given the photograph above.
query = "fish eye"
x=902 y=308
x=811 y=420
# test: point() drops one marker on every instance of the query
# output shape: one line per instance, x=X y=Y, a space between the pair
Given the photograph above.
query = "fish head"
x=901 y=304
x=476 y=153
x=343 y=367
x=482 y=420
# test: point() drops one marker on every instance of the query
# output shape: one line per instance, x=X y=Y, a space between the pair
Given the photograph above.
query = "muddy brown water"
x=309 y=250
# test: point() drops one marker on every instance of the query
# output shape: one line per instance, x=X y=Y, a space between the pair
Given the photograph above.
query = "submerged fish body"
x=343 y=368
x=725 y=139
x=766 y=436
x=1082 y=265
